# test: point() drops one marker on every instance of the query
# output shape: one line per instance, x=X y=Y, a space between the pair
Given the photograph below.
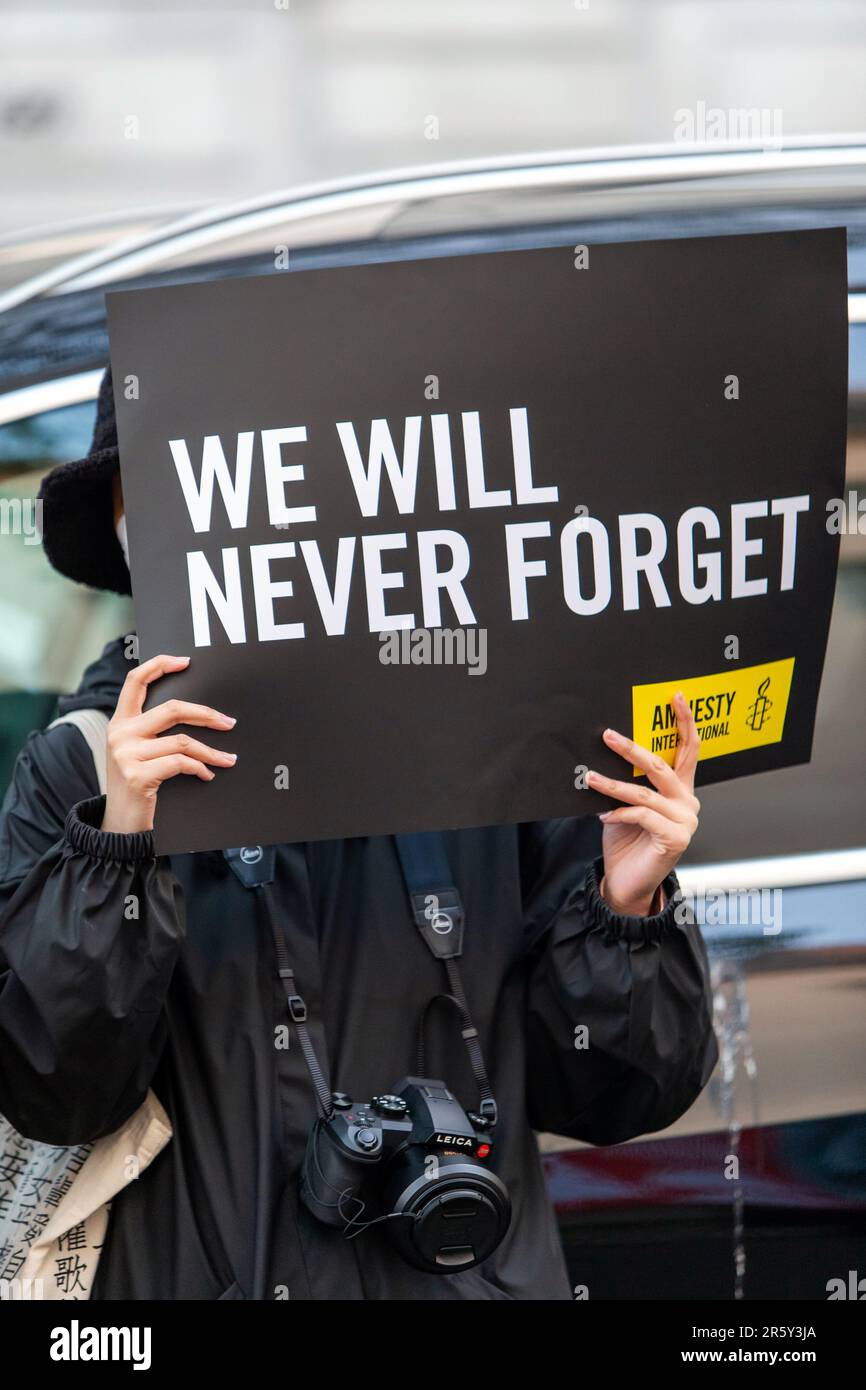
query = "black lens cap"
x=458 y=1229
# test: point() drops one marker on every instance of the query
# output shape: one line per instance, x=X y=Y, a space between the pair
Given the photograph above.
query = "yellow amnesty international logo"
x=733 y=710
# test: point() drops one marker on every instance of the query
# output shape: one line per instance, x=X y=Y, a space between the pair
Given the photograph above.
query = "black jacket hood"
x=101 y=682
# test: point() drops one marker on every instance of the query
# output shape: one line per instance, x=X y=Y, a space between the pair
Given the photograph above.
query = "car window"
x=49 y=628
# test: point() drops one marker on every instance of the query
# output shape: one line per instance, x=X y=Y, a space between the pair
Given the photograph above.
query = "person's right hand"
x=141 y=755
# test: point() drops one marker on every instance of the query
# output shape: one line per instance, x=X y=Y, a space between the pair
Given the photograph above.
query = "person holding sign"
x=582 y=998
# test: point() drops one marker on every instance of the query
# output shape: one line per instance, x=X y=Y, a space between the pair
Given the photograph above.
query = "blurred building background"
x=128 y=104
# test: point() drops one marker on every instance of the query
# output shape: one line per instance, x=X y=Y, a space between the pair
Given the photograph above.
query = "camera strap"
x=437 y=911
x=298 y=1013
x=255 y=867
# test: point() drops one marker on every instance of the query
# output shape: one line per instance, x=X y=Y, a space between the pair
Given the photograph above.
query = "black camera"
x=416 y=1162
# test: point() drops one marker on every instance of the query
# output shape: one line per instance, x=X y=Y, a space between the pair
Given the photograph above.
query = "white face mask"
x=120 y=532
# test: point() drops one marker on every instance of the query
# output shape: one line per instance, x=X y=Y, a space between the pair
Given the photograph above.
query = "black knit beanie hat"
x=78 y=533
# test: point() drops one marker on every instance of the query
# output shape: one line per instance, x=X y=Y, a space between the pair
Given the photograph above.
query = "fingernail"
x=227 y=718
x=232 y=757
x=612 y=733
x=591 y=776
x=605 y=815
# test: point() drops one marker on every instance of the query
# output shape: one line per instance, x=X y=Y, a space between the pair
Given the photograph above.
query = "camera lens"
x=459 y=1215
x=458 y=1229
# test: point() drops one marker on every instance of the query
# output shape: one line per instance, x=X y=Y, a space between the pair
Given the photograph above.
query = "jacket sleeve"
x=619 y=1009
x=91 y=924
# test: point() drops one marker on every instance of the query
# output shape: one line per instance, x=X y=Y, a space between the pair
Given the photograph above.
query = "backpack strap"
x=437 y=911
x=92 y=724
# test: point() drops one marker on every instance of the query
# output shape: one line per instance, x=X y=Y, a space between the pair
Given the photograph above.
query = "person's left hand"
x=643 y=840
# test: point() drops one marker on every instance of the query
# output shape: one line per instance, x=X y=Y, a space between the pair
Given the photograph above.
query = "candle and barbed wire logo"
x=733 y=710
x=759 y=709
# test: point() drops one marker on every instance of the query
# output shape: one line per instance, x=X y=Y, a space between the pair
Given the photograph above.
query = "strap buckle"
x=297 y=1008
x=490 y=1110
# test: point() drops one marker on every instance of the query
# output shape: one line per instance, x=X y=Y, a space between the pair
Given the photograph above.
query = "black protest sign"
x=427 y=528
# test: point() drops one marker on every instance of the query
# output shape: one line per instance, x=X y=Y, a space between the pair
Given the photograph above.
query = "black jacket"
x=95 y=1006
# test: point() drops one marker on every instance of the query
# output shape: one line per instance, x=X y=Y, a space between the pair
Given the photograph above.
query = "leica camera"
x=414 y=1163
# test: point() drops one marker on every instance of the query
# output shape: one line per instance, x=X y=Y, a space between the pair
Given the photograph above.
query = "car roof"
x=52 y=322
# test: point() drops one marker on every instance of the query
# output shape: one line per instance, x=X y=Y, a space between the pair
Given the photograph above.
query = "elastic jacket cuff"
x=637 y=930
x=84 y=835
